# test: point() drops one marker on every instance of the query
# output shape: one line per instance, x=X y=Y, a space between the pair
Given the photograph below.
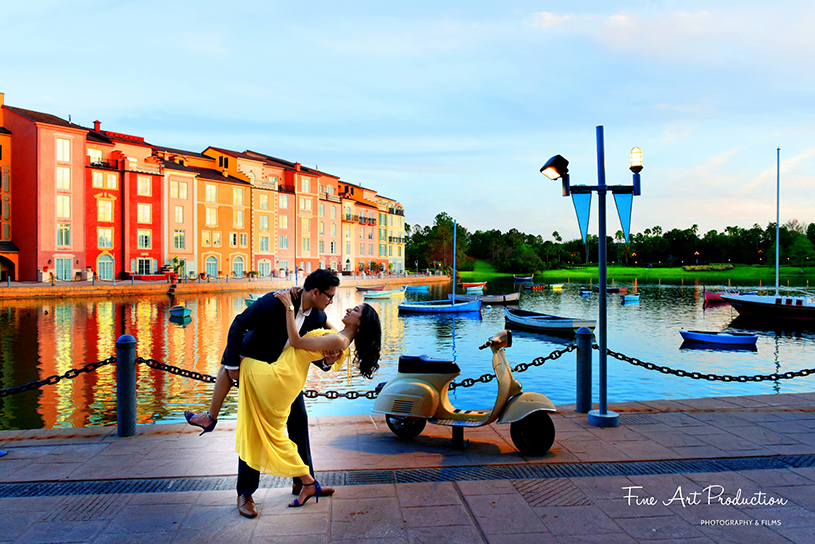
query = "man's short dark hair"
x=321 y=279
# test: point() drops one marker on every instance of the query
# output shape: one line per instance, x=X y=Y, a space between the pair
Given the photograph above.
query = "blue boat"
x=180 y=311
x=523 y=279
x=416 y=287
x=439 y=306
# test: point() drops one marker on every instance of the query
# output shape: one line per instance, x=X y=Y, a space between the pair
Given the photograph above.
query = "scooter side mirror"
x=501 y=340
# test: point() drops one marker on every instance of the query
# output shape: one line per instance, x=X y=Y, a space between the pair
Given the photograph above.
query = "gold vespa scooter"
x=418 y=394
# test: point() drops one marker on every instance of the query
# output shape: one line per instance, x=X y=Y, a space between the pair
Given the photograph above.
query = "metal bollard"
x=583 y=373
x=126 y=385
x=132 y=280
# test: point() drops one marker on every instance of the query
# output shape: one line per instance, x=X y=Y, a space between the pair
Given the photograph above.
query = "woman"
x=268 y=390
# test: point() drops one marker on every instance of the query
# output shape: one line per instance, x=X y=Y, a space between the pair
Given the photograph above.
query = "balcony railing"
x=102 y=164
x=367 y=220
x=329 y=197
x=396 y=211
x=349 y=217
x=396 y=240
x=286 y=188
x=142 y=167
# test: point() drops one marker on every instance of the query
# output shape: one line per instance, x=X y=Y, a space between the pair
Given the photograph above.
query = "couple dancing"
x=270 y=348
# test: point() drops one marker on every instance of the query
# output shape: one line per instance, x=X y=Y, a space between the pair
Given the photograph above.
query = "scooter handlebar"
x=503 y=337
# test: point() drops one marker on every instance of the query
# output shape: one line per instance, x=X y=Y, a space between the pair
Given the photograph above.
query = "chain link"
x=520 y=367
x=52 y=380
x=158 y=365
x=710 y=377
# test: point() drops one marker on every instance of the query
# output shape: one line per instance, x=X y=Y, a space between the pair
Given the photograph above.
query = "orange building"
x=360 y=232
x=9 y=253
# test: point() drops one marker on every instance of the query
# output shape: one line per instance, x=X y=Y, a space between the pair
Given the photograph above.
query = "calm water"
x=46 y=337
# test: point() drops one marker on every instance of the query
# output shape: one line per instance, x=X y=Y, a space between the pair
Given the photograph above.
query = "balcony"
x=396 y=211
x=142 y=167
x=98 y=163
x=329 y=197
x=367 y=220
x=396 y=240
x=353 y=218
x=286 y=189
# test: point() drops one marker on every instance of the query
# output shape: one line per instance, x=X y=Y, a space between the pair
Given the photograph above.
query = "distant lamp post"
x=557 y=167
x=696 y=254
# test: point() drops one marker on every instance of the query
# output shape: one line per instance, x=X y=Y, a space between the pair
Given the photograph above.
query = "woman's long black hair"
x=368 y=342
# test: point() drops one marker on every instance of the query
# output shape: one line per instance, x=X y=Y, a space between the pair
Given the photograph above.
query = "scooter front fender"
x=407 y=397
x=524 y=404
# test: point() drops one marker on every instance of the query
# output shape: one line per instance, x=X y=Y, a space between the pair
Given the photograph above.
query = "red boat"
x=371 y=288
x=478 y=284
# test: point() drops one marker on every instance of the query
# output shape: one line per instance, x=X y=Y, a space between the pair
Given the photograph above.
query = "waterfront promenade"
x=729 y=469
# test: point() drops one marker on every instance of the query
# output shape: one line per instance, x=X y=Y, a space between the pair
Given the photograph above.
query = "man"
x=260 y=332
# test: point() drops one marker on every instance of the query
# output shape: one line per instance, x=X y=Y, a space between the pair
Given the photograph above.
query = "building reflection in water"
x=40 y=338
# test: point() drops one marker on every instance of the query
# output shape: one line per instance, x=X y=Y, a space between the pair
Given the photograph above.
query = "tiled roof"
x=236 y=154
x=94 y=136
x=203 y=173
x=174 y=151
x=47 y=118
x=282 y=162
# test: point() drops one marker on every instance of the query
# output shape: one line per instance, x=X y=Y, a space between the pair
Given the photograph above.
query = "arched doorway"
x=211 y=267
x=237 y=267
x=7 y=269
x=104 y=267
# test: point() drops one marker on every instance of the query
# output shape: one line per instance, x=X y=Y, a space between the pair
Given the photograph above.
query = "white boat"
x=439 y=306
x=797 y=305
x=383 y=294
x=551 y=324
x=709 y=337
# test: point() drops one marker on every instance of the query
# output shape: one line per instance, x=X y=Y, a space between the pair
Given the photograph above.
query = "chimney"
x=97 y=126
x=2 y=99
x=297 y=166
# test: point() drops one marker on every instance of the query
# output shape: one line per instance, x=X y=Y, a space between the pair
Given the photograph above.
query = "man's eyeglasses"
x=330 y=297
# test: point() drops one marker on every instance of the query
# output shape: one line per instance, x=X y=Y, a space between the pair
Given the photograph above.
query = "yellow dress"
x=266 y=392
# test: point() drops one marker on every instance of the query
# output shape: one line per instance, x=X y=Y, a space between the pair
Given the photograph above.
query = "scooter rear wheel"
x=534 y=434
x=405 y=427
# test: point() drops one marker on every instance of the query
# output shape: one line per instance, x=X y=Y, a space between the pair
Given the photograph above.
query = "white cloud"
x=545 y=19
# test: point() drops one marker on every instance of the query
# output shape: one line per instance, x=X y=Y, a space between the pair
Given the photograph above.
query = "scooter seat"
x=422 y=364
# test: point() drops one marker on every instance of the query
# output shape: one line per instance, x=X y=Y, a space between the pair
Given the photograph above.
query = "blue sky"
x=454 y=106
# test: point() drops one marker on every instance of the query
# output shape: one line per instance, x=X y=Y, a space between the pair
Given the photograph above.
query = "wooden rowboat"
x=509 y=298
x=474 y=284
x=439 y=306
x=523 y=279
x=383 y=294
x=416 y=287
x=180 y=311
x=361 y=288
x=710 y=337
x=551 y=324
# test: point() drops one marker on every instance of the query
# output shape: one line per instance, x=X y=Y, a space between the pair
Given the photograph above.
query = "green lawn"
x=739 y=275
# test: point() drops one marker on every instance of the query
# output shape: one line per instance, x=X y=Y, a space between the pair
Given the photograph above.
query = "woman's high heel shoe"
x=296 y=502
x=208 y=429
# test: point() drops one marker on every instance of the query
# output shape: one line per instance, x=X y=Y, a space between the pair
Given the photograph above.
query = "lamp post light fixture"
x=557 y=167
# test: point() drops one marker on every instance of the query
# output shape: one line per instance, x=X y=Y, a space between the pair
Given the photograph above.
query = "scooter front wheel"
x=534 y=434
x=405 y=427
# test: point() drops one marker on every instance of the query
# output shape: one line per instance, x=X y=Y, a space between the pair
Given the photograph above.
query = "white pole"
x=777 y=216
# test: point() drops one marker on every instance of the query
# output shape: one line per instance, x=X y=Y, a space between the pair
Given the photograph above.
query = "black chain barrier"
x=520 y=367
x=52 y=380
x=308 y=393
x=710 y=377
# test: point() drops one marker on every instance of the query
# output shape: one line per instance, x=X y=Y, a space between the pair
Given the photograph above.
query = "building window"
x=98 y=180
x=179 y=237
x=182 y=190
x=306 y=244
x=322 y=228
x=63 y=268
x=284 y=242
x=264 y=222
x=173 y=189
x=321 y=247
x=179 y=214
x=63 y=150
x=306 y=185
x=237 y=219
x=264 y=243
x=237 y=196
x=64 y=206
x=112 y=181
x=284 y=201
x=382 y=251
x=390 y=251
x=333 y=229
x=263 y=202
x=104 y=238
x=322 y=209
x=333 y=212
x=104 y=210
x=95 y=155
x=362 y=249
x=233 y=239
x=144 y=213
x=333 y=246
x=305 y=224
x=211 y=193
x=216 y=238
x=144 y=236
x=305 y=204
x=370 y=249
x=206 y=238
x=244 y=239
x=284 y=221
x=264 y=269
x=347 y=248
x=63 y=234
x=63 y=178
x=144 y=266
x=144 y=186
x=212 y=217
